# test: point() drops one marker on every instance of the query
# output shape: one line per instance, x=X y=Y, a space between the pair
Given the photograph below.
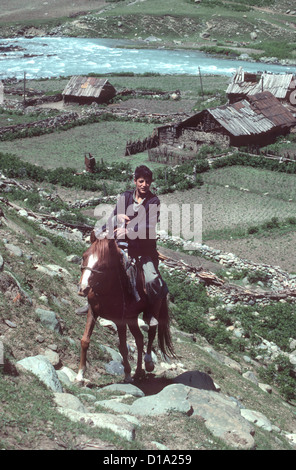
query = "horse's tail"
x=165 y=343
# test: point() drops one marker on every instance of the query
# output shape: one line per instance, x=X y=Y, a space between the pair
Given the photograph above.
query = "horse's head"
x=97 y=259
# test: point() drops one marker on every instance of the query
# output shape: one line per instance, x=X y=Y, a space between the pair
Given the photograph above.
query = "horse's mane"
x=106 y=251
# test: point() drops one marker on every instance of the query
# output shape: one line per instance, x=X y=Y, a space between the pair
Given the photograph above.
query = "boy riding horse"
x=133 y=222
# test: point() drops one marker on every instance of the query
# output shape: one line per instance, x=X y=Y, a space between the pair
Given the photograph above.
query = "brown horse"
x=105 y=283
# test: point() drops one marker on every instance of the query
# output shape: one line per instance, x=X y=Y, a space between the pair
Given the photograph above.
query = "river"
x=46 y=57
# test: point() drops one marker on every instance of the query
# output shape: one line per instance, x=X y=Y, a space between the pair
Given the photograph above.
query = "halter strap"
x=92 y=270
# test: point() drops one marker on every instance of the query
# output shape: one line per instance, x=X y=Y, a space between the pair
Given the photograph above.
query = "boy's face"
x=142 y=186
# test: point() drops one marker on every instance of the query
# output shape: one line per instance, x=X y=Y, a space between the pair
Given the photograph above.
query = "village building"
x=88 y=90
x=255 y=121
x=244 y=84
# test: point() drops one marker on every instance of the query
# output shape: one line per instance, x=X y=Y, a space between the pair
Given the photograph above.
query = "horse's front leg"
x=85 y=340
x=137 y=334
x=123 y=349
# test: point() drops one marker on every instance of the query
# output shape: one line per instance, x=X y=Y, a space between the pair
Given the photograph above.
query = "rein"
x=91 y=269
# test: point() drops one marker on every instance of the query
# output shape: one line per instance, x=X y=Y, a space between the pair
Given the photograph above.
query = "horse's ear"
x=93 y=237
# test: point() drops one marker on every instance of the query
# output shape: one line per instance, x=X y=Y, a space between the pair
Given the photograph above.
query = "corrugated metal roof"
x=277 y=84
x=85 y=87
x=259 y=114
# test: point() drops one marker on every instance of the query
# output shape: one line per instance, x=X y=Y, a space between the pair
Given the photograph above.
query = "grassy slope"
x=30 y=421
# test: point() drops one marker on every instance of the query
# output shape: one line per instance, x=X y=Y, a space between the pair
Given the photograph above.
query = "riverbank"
x=49 y=57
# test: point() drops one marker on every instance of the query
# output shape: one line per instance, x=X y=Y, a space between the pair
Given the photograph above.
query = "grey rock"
x=114 y=405
x=14 y=250
x=257 y=418
x=10 y=324
x=75 y=259
x=63 y=378
x=221 y=414
x=69 y=373
x=251 y=376
x=66 y=400
x=115 y=355
x=42 y=368
x=224 y=359
x=114 y=368
x=1 y=263
x=53 y=358
x=222 y=418
x=48 y=319
x=118 y=424
x=129 y=389
x=171 y=398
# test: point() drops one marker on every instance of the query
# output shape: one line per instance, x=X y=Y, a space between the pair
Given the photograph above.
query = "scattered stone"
x=53 y=358
x=42 y=368
x=74 y=259
x=120 y=425
x=257 y=418
x=40 y=339
x=67 y=400
x=114 y=368
x=14 y=250
x=48 y=319
x=251 y=376
x=129 y=389
x=69 y=373
x=224 y=359
x=265 y=387
x=115 y=355
x=10 y=324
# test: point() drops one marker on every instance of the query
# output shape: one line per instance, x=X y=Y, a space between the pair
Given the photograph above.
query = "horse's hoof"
x=128 y=379
x=149 y=364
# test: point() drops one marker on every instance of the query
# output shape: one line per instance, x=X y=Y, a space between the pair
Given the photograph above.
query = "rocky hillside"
x=208 y=398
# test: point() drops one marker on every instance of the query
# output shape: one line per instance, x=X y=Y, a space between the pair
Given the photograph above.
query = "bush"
x=279 y=373
x=253 y=229
x=257 y=276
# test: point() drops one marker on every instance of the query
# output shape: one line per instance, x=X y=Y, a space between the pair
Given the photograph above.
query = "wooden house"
x=88 y=90
x=257 y=120
x=244 y=84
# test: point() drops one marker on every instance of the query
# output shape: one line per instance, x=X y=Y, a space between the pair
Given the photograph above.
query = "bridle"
x=91 y=269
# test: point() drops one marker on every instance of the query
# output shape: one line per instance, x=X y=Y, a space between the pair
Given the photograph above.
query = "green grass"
x=104 y=140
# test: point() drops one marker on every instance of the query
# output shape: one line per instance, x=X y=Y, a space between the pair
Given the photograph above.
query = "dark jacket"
x=141 y=238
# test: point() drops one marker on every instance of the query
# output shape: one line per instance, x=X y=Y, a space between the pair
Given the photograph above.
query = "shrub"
x=253 y=229
x=279 y=373
x=256 y=276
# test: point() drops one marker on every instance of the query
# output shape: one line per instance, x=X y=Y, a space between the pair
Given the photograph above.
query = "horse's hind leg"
x=90 y=323
x=149 y=364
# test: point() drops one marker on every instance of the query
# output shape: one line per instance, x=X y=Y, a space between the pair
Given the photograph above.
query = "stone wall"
x=48 y=123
